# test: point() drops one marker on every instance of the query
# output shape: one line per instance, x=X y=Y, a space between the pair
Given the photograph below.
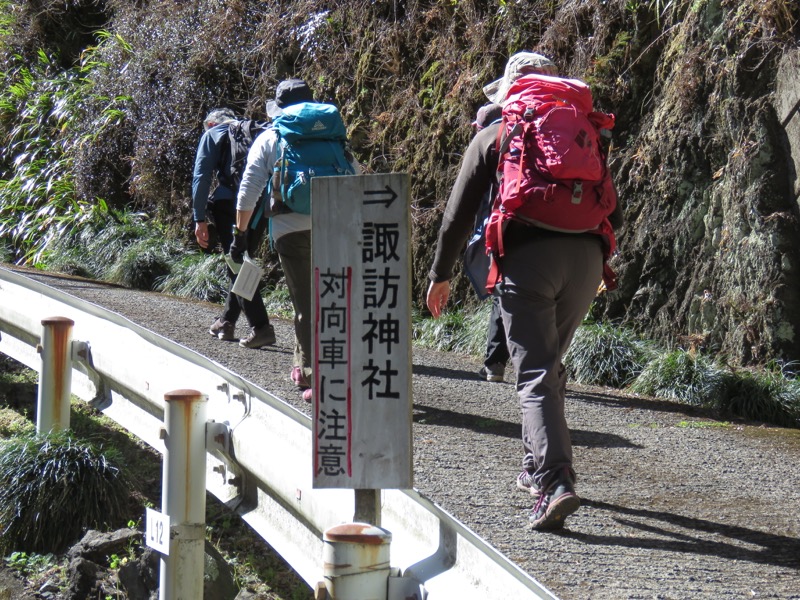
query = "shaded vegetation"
x=103 y=103
x=53 y=487
x=257 y=567
x=608 y=355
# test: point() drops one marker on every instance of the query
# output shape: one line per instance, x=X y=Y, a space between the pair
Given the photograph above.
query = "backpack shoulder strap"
x=506 y=142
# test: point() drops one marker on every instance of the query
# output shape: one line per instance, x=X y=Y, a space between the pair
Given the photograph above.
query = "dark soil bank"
x=675 y=504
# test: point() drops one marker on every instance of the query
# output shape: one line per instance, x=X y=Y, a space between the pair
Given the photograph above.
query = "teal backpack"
x=311 y=139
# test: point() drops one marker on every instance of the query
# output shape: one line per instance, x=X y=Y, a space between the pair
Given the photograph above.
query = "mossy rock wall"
x=702 y=159
x=709 y=256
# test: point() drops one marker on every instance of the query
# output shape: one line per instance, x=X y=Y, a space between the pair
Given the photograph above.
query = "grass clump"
x=95 y=248
x=278 y=301
x=198 y=276
x=130 y=250
x=684 y=376
x=142 y=264
x=603 y=354
x=771 y=395
x=455 y=331
x=52 y=487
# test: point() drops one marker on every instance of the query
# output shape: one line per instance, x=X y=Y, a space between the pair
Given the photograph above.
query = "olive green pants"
x=294 y=251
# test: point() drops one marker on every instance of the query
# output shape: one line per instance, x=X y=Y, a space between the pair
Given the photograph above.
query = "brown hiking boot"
x=222 y=329
x=258 y=337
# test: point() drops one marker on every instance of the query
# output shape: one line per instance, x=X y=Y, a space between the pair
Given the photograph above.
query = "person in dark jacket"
x=212 y=161
x=549 y=281
x=496 y=355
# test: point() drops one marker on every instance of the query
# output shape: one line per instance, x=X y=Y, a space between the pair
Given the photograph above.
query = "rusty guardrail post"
x=355 y=559
x=183 y=495
x=55 y=379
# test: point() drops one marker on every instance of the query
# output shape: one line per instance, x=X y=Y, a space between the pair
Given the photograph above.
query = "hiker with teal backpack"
x=220 y=155
x=307 y=140
x=549 y=236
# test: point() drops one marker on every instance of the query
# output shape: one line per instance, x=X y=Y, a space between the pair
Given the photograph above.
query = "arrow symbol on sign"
x=389 y=196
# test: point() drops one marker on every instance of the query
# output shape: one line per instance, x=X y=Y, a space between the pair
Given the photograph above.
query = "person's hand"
x=438 y=293
x=238 y=246
x=201 y=233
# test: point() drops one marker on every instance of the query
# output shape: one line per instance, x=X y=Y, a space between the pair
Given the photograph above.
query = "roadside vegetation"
x=66 y=206
x=101 y=110
x=54 y=487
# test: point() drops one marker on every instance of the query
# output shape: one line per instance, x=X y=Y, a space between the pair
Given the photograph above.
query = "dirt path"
x=675 y=503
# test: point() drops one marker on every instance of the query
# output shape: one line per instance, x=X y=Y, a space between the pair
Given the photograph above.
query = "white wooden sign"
x=362 y=332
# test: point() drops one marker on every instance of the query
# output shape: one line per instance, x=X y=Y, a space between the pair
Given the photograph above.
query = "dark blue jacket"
x=213 y=156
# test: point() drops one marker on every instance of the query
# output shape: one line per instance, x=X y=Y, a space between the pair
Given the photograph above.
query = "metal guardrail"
x=258 y=452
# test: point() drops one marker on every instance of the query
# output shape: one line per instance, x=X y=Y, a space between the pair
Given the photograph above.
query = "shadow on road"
x=428 y=415
x=645 y=403
x=444 y=372
x=675 y=534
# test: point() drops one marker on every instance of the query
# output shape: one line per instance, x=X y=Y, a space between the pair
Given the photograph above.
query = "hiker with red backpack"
x=549 y=235
x=307 y=139
x=216 y=158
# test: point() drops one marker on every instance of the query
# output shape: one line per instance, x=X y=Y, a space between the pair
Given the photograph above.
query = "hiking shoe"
x=493 y=373
x=258 y=337
x=526 y=483
x=223 y=330
x=299 y=379
x=554 y=506
x=308 y=395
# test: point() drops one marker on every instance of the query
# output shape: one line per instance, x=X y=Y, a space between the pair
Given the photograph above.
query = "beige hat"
x=521 y=63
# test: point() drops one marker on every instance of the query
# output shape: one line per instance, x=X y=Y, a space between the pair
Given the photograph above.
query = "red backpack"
x=552 y=167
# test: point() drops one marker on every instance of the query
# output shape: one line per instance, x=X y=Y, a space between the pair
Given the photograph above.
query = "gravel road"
x=675 y=503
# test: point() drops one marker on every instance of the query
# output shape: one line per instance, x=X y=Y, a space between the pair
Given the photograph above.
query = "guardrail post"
x=355 y=559
x=183 y=495
x=55 y=379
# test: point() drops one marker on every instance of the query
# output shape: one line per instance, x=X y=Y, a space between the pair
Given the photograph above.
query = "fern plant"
x=41 y=109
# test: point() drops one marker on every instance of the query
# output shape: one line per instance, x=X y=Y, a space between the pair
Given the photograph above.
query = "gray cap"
x=487 y=114
x=217 y=116
x=288 y=92
x=521 y=63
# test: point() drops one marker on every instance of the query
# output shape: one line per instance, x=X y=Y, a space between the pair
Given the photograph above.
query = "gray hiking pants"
x=549 y=283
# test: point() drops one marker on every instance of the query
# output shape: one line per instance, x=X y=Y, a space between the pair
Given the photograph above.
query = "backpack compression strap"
x=496 y=250
x=494 y=247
